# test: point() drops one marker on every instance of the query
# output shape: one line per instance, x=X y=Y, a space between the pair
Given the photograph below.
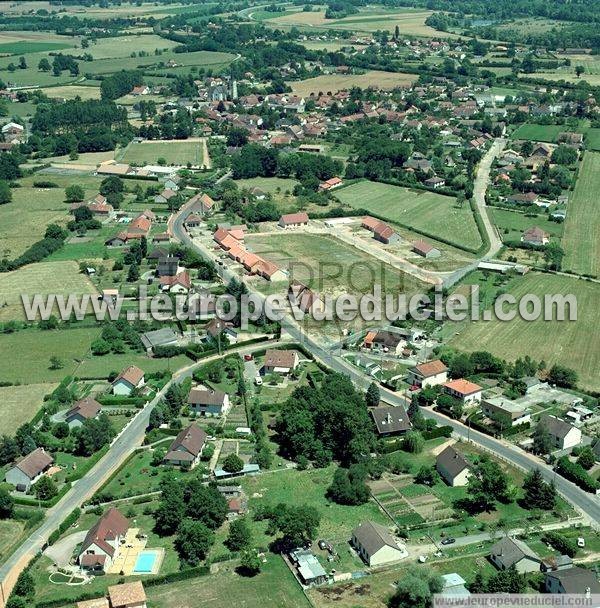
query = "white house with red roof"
x=128 y=380
x=102 y=543
x=468 y=392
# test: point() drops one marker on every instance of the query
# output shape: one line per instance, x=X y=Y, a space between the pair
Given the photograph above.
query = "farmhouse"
x=467 y=392
x=129 y=379
x=375 y=545
x=563 y=434
x=505 y=412
x=330 y=184
x=453 y=467
x=293 y=220
x=208 y=402
x=82 y=410
x=425 y=250
x=535 y=236
x=385 y=234
x=430 y=373
x=202 y=203
x=390 y=420
x=102 y=543
x=186 y=449
x=280 y=361
x=510 y=552
x=215 y=328
x=435 y=182
x=575 y=580
x=28 y=469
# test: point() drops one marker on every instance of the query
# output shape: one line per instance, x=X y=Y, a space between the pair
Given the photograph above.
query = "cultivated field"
x=41 y=278
x=337 y=82
x=173 y=152
x=433 y=213
x=20 y=404
x=563 y=342
x=581 y=240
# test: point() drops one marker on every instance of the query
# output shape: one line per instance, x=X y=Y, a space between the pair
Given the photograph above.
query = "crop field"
x=419 y=209
x=40 y=278
x=511 y=224
x=564 y=342
x=581 y=240
x=20 y=404
x=337 y=82
x=174 y=152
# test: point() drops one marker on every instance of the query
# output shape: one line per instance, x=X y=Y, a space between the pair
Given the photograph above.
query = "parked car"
x=448 y=541
x=258 y=381
x=247 y=357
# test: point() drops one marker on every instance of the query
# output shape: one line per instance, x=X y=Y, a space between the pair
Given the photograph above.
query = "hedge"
x=64 y=526
x=440 y=431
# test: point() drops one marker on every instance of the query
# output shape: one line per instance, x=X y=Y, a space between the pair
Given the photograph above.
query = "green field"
x=581 y=240
x=20 y=404
x=512 y=224
x=564 y=342
x=592 y=138
x=430 y=212
x=174 y=152
x=29 y=46
x=536 y=132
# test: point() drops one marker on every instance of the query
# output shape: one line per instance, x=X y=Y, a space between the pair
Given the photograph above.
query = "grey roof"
x=158 y=337
x=372 y=537
x=389 y=419
x=452 y=461
x=576 y=580
x=555 y=426
x=596 y=449
x=202 y=397
x=167 y=266
x=508 y=551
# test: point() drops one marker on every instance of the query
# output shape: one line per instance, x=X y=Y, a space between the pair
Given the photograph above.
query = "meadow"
x=73 y=91
x=20 y=404
x=565 y=342
x=581 y=240
x=173 y=152
x=332 y=83
x=512 y=224
x=434 y=213
x=535 y=132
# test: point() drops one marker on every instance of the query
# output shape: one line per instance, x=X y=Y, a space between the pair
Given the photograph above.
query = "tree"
x=171 y=509
x=587 y=458
x=205 y=504
x=25 y=585
x=415 y=589
x=111 y=184
x=74 y=193
x=560 y=543
x=193 y=541
x=94 y=434
x=233 y=463
x=298 y=525
x=249 y=563
x=133 y=273
x=22 y=63
x=506 y=581
x=487 y=484
x=413 y=442
x=7 y=504
x=427 y=476
x=44 y=65
x=56 y=363
x=45 y=489
x=461 y=366
x=348 y=486
x=579 y=70
x=537 y=493
x=240 y=536
x=5 y=193
x=373 y=396
x=542 y=440
x=9 y=449
x=562 y=376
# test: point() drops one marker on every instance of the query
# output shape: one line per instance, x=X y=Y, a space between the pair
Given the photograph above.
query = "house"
x=216 y=328
x=425 y=250
x=528 y=198
x=167 y=266
x=509 y=552
x=180 y=283
x=575 y=580
x=28 y=469
x=12 y=132
x=102 y=543
x=308 y=301
x=82 y=410
x=330 y=184
x=435 y=182
x=202 y=203
x=375 y=545
x=390 y=420
x=453 y=467
x=140 y=90
x=293 y=220
x=430 y=373
x=164 y=196
x=563 y=434
x=467 y=392
x=129 y=379
x=125 y=595
x=535 y=236
x=505 y=412
x=208 y=402
x=280 y=361
x=186 y=449
x=385 y=341
x=159 y=337
x=454 y=587
x=308 y=567
x=552 y=563
x=385 y=234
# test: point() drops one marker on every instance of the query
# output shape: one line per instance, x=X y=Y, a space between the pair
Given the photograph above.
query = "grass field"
x=42 y=278
x=277 y=188
x=418 y=209
x=536 y=132
x=174 y=152
x=30 y=46
x=73 y=91
x=565 y=342
x=592 y=138
x=20 y=404
x=511 y=224
x=581 y=240
x=327 y=45
x=336 y=82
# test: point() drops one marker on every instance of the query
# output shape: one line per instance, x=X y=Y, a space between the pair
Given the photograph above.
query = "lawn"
x=174 y=152
x=277 y=187
x=592 y=138
x=565 y=342
x=20 y=404
x=332 y=83
x=535 y=132
x=581 y=240
x=512 y=224
x=43 y=278
x=433 y=213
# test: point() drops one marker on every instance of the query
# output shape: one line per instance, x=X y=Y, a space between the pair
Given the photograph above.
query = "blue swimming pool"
x=145 y=562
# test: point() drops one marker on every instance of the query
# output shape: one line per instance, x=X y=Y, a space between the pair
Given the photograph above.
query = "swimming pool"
x=145 y=562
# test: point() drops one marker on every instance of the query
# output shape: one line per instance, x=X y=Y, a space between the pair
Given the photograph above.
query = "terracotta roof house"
x=375 y=545
x=193 y=220
x=280 y=361
x=269 y=271
x=535 y=236
x=467 y=392
x=384 y=233
x=509 y=552
x=216 y=328
x=293 y=220
x=430 y=373
x=82 y=410
x=575 y=580
x=208 y=402
x=165 y=196
x=369 y=223
x=125 y=595
x=180 y=283
x=390 y=420
x=102 y=543
x=308 y=301
x=113 y=168
x=202 y=203
x=453 y=467
x=563 y=434
x=186 y=449
x=130 y=378
x=330 y=184
x=28 y=469
x=140 y=224
x=425 y=249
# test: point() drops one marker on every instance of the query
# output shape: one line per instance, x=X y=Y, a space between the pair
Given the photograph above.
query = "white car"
x=258 y=381
x=581 y=542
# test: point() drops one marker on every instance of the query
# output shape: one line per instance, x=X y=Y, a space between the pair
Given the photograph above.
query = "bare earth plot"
x=20 y=404
x=337 y=82
x=569 y=343
x=581 y=240
x=433 y=213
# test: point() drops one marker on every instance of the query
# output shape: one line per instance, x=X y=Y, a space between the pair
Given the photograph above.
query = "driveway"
x=60 y=552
